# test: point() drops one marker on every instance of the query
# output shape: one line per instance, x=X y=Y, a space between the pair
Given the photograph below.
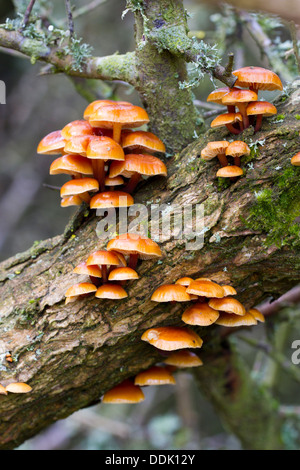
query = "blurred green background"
x=171 y=417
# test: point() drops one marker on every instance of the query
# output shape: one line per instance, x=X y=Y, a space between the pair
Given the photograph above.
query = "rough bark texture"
x=72 y=354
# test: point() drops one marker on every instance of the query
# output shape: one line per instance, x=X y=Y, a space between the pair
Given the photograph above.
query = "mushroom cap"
x=68 y=201
x=123 y=274
x=257 y=77
x=111 y=291
x=256 y=314
x=213 y=149
x=169 y=338
x=78 y=127
x=261 y=107
x=216 y=95
x=156 y=375
x=229 y=171
x=116 y=181
x=229 y=290
x=104 y=148
x=227 y=304
x=91 y=270
x=125 y=392
x=236 y=96
x=109 y=199
x=295 y=160
x=170 y=293
x=132 y=243
x=78 y=144
x=237 y=148
x=3 y=390
x=143 y=164
x=71 y=165
x=79 y=186
x=51 y=144
x=118 y=113
x=183 y=358
x=227 y=319
x=82 y=288
x=142 y=140
x=92 y=107
x=205 y=288
x=18 y=387
x=226 y=118
x=200 y=314
x=103 y=257
x=184 y=281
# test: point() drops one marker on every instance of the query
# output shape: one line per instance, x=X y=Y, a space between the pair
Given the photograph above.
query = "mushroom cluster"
x=243 y=107
x=108 y=270
x=223 y=149
x=102 y=149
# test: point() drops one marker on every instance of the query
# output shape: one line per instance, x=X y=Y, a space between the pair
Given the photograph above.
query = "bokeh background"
x=37 y=103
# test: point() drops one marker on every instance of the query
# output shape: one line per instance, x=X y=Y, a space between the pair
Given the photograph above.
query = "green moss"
x=277 y=208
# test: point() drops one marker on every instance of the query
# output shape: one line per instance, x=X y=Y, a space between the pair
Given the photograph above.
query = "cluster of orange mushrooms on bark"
x=102 y=149
x=243 y=109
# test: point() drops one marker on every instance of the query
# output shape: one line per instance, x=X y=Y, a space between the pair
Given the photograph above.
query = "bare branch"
x=70 y=17
x=27 y=14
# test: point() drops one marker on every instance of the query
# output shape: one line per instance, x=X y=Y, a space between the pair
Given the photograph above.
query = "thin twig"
x=27 y=14
x=70 y=17
x=293 y=32
x=88 y=8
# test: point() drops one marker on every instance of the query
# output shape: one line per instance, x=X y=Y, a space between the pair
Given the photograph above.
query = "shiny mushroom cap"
x=229 y=320
x=92 y=107
x=230 y=171
x=205 y=288
x=183 y=358
x=155 y=375
x=147 y=165
x=200 y=314
x=108 y=199
x=142 y=141
x=69 y=201
x=51 y=144
x=128 y=115
x=104 y=148
x=132 y=243
x=111 y=291
x=79 y=186
x=236 y=96
x=216 y=95
x=91 y=270
x=125 y=392
x=170 y=338
x=257 y=78
x=74 y=128
x=103 y=258
x=226 y=118
x=227 y=304
x=170 y=293
x=229 y=290
x=78 y=144
x=80 y=289
x=71 y=165
x=18 y=387
x=295 y=160
x=261 y=107
x=184 y=281
x=116 y=181
x=256 y=314
x=123 y=274
x=237 y=148
x=213 y=149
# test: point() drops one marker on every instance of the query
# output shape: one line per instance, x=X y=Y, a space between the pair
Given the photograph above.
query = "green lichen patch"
x=276 y=210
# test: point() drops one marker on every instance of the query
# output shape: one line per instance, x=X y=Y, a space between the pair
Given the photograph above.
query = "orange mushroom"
x=230 y=171
x=111 y=291
x=170 y=338
x=257 y=78
x=80 y=187
x=18 y=387
x=236 y=149
x=216 y=149
x=156 y=375
x=125 y=392
x=200 y=314
x=109 y=199
x=103 y=259
x=295 y=160
x=142 y=141
x=82 y=289
x=228 y=119
x=51 y=144
x=183 y=358
x=170 y=293
x=260 y=109
x=228 y=305
x=135 y=246
x=240 y=98
x=74 y=165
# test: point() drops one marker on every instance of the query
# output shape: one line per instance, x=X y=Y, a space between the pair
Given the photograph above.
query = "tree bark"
x=71 y=354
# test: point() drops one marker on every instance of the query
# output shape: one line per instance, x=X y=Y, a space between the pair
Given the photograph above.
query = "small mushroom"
x=257 y=314
x=228 y=305
x=200 y=314
x=80 y=187
x=229 y=290
x=240 y=98
x=237 y=149
x=108 y=199
x=205 y=288
x=257 y=78
x=218 y=94
x=51 y=144
x=230 y=171
x=135 y=246
x=260 y=109
x=216 y=149
x=295 y=160
x=228 y=119
x=18 y=387
x=141 y=141
x=77 y=128
x=111 y=291
x=170 y=293
x=156 y=375
x=183 y=358
x=68 y=201
x=184 y=281
x=125 y=392
x=74 y=165
x=170 y=338
x=93 y=271
x=103 y=259
x=229 y=320
x=123 y=274
x=82 y=289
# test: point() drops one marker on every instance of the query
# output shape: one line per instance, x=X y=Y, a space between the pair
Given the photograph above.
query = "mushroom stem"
x=133 y=259
x=232 y=129
x=117 y=128
x=237 y=161
x=222 y=159
x=132 y=183
x=95 y=281
x=99 y=172
x=243 y=110
x=85 y=197
x=231 y=108
x=258 y=122
x=104 y=273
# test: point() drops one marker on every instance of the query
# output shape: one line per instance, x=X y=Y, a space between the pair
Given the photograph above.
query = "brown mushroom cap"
x=104 y=148
x=123 y=274
x=51 y=144
x=79 y=186
x=170 y=293
x=77 y=290
x=230 y=171
x=216 y=95
x=237 y=148
x=18 y=387
x=227 y=304
x=226 y=118
x=213 y=149
x=91 y=270
x=125 y=392
x=295 y=160
x=170 y=338
x=92 y=107
x=71 y=165
x=78 y=127
x=108 y=199
x=142 y=141
x=111 y=291
x=147 y=165
x=257 y=78
x=256 y=314
x=261 y=107
x=200 y=314
x=132 y=243
x=68 y=201
x=237 y=96
x=127 y=115
x=78 y=144
x=205 y=288
x=155 y=375
x=227 y=319
x=183 y=358
x=103 y=258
